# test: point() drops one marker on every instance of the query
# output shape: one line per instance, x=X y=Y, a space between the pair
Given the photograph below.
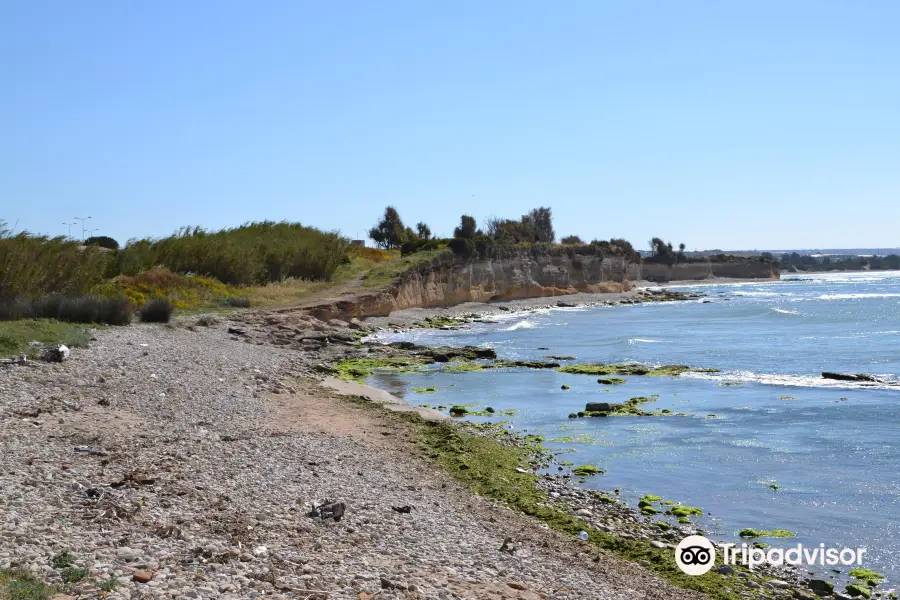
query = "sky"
x=719 y=124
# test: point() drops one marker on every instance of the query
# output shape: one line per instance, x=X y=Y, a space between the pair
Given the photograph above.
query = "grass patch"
x=15 y=335
x=384 y=274
x=74 y=574
x=62 y=560
x=16 y=584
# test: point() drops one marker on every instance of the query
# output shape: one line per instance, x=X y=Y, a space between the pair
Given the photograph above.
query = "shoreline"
x=236 y=414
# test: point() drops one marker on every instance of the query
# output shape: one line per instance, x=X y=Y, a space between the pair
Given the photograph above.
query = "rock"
x=584 y=512
x=842 y=596
x=516 y=585
x=562 y=304
x=355 y=323
x=659 y=545
x=725 y=570
x=850 y=377
x=856 y=590
x=752 y=584
x=142 y=576
x=598 y=407
x=778 y=584
x=820 y=586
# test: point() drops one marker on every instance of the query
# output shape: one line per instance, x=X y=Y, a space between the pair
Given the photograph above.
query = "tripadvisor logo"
x=695 y=555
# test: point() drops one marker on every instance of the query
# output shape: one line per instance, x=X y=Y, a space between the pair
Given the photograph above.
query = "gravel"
x=160 y=451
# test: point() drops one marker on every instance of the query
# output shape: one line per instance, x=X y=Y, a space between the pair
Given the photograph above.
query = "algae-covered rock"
x=856 y=590
x=585 y=470
x=611 y=381
x=458 y=410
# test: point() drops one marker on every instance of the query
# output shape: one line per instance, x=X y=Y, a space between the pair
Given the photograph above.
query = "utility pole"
x=82 y=219
x=70 y=229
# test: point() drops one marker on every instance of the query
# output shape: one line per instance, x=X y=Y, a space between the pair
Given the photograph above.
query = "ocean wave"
x=785 y=311
x=523 y=324
x=645 y=341
x=810 y=381
x=856 y=296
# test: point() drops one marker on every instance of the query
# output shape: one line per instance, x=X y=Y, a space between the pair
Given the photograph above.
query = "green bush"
x=252 y=254
x=33 y=265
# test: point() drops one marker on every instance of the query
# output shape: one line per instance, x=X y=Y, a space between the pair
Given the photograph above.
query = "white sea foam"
x=810 y=381
x=855 y=296
x=644 y=341
x=523 y=324
x=786 y=312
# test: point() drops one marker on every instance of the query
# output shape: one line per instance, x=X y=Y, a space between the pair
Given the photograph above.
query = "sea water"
x=831 y=448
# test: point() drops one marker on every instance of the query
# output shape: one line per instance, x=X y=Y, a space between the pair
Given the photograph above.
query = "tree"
x=103 y=241
x=423 y=231
x=466 y=227
x=681 y=248
x=541 y=222
x=508 y=230
x=571 y=239
x=389 y=232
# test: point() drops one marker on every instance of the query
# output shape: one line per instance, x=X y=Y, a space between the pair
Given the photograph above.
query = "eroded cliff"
x=454 y=281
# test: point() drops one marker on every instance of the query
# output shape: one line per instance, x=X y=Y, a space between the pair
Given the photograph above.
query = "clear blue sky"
x=720 y=124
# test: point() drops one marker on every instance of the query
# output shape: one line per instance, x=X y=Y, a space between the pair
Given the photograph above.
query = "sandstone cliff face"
x=745 y=269
x=450 y=283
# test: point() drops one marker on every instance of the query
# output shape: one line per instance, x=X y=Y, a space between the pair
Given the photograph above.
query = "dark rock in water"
x=598 y=407
x=850 y=377
x=821 y=587
x=530 y=364
x=562 y=304
x=405 y=345
x=441 y=358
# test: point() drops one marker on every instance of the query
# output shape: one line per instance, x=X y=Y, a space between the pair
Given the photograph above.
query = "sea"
x=766 y=443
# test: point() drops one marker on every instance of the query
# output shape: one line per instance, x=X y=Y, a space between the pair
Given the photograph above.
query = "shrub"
x=207 y=320
x=103 y=241
x=74 y=574
x=463 y=247
x=240 y=302
x=156 y=311
x=255 y=253
x=419 y=245
x=33 y=265
x=78 y=309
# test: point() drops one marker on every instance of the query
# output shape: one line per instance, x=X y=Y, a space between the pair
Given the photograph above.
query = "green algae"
x=857 y=590
x=487 y=465
x=462 y=367
x=625 y=369
x=732 y=384
x=425 y=390
x=684 y=511
x=585 y=470
x=773 y=533
x=611 y=381
x=865 y=574
x=555 y=357
x=358 y=369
